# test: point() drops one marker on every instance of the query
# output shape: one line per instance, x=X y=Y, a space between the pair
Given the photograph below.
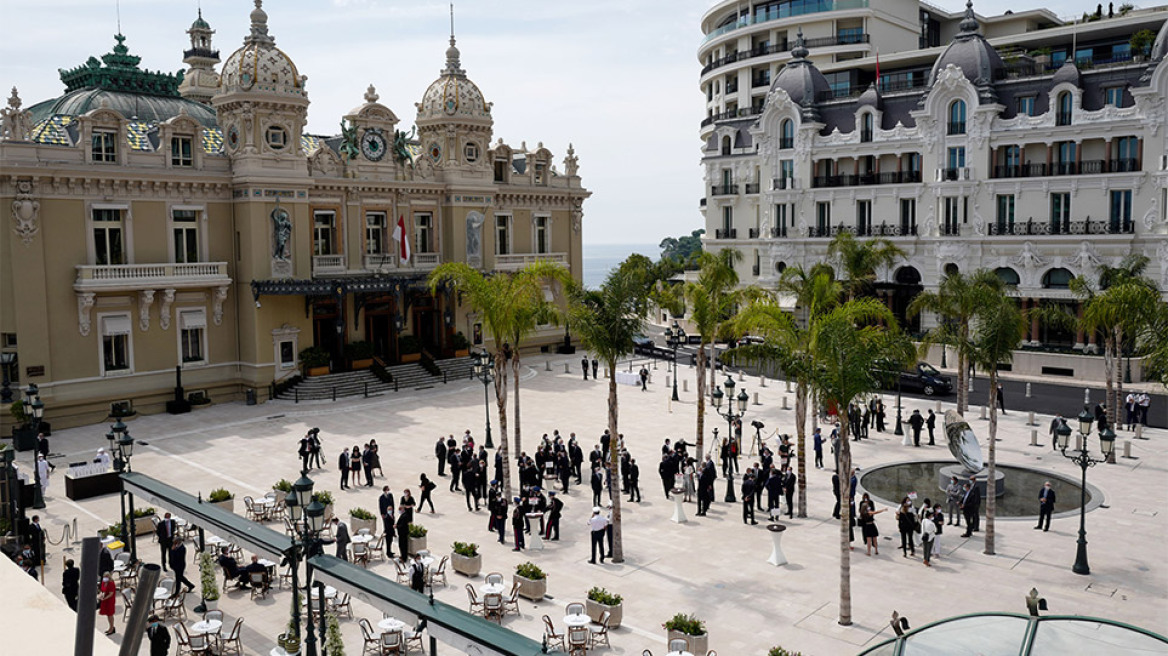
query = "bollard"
x=1127 y=449
x=1027 y=390
x=1140 y=432
x=654 y=365
x=762 y=381
x=685 y=385
x=983 y=412
x=785 y=402
x=549 y=365
x=668 y=381
x=1087 y=396
x=756 y=399
x=788 y=386
x=938 y=407
x=741 y=375
x=1030 y=421
x=1034 y=437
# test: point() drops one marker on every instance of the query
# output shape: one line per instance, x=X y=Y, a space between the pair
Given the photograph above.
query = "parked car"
x=923 y=378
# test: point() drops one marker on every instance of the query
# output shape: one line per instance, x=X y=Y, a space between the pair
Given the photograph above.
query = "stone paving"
x=714 y=566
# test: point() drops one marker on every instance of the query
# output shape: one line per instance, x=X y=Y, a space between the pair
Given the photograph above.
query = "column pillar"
x=1034 y=323
x=1107 y=157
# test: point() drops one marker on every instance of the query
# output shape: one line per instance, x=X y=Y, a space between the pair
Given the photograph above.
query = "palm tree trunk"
x=701 y=396
x=614 y=491
x=991 y=488
x=501 y=402
x=962 y=383
x=800 y=432
x=1117 y=394
x=515 y=375
x=845 y=483
x=1109 y=374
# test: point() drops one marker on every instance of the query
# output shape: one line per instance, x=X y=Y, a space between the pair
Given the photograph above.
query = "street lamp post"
x=36 y=409
x=307 y=521
x=122 y=449
x=899 y=425
x=737 y=403
x=1084 y=460
x=674 y=337
x=484 y=365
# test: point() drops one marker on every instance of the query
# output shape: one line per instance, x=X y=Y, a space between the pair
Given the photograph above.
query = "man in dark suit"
x=1046 y=499
x=789 y=483
x=916 y=421
x=440 y=453
x=36 y=539
x=971 y=508
x=343 y=464
x=552 y=530
x=230 y=567
x=178 y=563
x=159 y=637
x=931 y=423
x=367 y=465
x=748 y=499
x=634 y=474
x=165 y=533
x=71 y=583
x=706 y=486
x=595 y=364
x=597 y=484
x=385 y=508
x=341 y=533
x=403 y=532
x=584 y=366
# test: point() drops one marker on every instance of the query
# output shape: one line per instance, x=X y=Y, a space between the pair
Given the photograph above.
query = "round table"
x=577 y=620
x=216 y=541
x=491 y=588
x=361 y=539
x=391 y=624
x=777 y=557
x=679 y=653
x=678 y=511
x=535 y=520
x=329 y=592
x=206 y=626
x=162 y=593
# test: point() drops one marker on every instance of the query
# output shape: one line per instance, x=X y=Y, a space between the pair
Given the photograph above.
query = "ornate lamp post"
x=307 y=520
x=674 y=337
x=122 y=449
x=36 y=409
x=1083 y=459
x=899 y=424
x=737 y=406
x=484 y=366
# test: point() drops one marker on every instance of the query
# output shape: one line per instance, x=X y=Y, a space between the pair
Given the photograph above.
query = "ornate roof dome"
x=199 y=23
x=259 y=66
x=453 y=96
x=1068 y=72
x=970 y=52
x=802 y=81
x=870 y=98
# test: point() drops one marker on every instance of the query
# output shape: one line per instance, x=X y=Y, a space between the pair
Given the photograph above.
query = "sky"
x=618 y=79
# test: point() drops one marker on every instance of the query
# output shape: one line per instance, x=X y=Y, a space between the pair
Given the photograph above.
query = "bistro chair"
x=476 y=606
x=600 y=633
x=233 y=642
x=549 y=633
x=391 y=642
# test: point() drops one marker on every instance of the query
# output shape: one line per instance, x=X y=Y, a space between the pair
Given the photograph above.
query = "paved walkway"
x=714 y=567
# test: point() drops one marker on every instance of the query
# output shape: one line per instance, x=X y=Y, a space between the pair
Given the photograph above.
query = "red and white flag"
x=399 y=235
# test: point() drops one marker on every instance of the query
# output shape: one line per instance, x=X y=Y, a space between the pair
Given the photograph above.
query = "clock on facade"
x=373 y=145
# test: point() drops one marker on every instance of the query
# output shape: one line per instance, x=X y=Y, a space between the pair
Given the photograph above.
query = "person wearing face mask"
x=1046 y=499
x=107 y=600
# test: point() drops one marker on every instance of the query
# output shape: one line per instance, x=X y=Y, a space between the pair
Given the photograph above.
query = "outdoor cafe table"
x=576 y=620
x=362 y=539
x=491 y=588
x=391 y=624
x=206 y=626
x=329 y=592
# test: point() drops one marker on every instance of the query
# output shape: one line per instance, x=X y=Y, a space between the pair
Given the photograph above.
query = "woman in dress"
x=687 y=480
x=868 y=529
x=355 y=464
x=376 y=459
x=107 y=599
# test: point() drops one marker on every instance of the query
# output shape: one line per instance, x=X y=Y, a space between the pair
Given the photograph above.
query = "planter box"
x=533 y=589
x=318 y=371
x=468 y=565
x=406 y=358
x=144 y=526
x=364 y=363
x=699 y=644
x=355 y=525
x=417 y=544
x=595 y=609
x=24 y=439
x=228 y=505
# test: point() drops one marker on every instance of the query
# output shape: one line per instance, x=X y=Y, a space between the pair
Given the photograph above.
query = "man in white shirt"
x=598 y=525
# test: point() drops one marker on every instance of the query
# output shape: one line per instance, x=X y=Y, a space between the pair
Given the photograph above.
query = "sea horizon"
x=600 y=259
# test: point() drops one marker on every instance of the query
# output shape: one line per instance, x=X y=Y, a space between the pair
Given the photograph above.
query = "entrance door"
x=424 y=329
x=325 y=334
x=377 y=328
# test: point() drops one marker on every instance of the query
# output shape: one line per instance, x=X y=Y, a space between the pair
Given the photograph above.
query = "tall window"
x=107 y=237
x=186 y=236
x=1063 y=115
x=104 y=146
x=957 y=117
x=1026 y=105
x=540 y=175
x=180 y=151
x=727 y=219
x=374 y=233
x=1012 y=159
x=866 y=127
x=1113 y=96
x=951 y=216
x=823 y=218
x=1066 y=158
x=957 y=157
x=912 y=164
x=1060 y=212
x=502 y=235
x=1121 y=208
x=543 y=240
x=424 y=232
x=1127 y=151
x=786 y=172
x=781 y=221
x=908 y=216
x=323 y=233
x=192 y=335
x=863 y=217
x=787 y=134
x=1005 y=213
x=115 y=342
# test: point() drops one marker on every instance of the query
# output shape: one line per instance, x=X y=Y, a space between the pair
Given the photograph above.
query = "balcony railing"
x=745 y=112
x=1060 y=227
x=517 y=261
x=786 y=143
x=760 y=81
x=951 y=230
x=425 y=261
x=863 y=179
x=788 y=10
x=1086 y=167
x=326 y=264
x=726 y=233
x=952 y=175
x=732 y=87
x=779 y=184
x=724 y=190
x=778 y=232
x=115 y=277
x=752 y=233
x=829 y=231
x=885 y=230
x=201 y=52
x=750 y=188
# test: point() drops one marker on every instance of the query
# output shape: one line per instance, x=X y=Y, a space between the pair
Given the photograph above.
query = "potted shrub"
x=460 y=344
x=1141 y=43
x=315 y=361
x=779 y=651
x=466 y=559
x=417 y=538
x=326 y=499
x=690 y=629
x=208 y=581
x=289 y=640
x=600 y=600
x=360 y=518
x=359 y=355
x=284 y=486
x=222 y=498
x=143 y=521
x=334 y=643
x=410 y=348
x=24 y=433
x=532 y=581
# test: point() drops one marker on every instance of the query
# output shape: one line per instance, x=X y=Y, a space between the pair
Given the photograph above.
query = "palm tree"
x=1153 y=341
x=957 y=299
x=859 y=260
x=709 y=301
x=510 y=304
x=850 y=352
x=606 y=320
x=1000 y=327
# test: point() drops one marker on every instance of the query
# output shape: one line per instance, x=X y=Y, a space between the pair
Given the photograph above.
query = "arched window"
x=1063 y=117
x=908 y=276
x=952 y=269
x=1057 y=279
x=780 y=267
x=957 y=117
x=1008 y=276
x=787 y=134
x=866 y=127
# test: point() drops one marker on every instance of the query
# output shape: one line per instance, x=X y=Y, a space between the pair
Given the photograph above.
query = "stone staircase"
x=366 y=383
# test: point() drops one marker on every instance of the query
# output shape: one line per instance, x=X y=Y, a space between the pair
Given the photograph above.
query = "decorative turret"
x=976 y=58
x=804 y=83
x=201 y=82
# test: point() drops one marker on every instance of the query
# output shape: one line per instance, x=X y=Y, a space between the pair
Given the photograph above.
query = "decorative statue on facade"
x=474 y=239
x=401 y=151
x=282 y=228
x=25 y=211
x=350 y=147
x=15 y=124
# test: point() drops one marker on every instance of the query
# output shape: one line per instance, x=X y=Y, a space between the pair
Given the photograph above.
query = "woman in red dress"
x=107 y=599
